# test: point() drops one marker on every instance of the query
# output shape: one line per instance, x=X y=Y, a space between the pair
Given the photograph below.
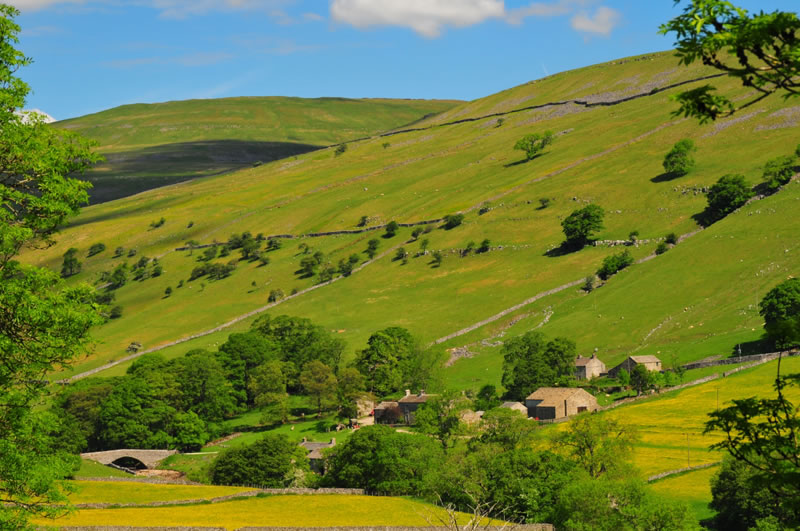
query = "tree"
x=423 y=245
x=679 y=160
x=44 y=325
x=780 y=309
x=614 y=263
x=779 y=171
x=240 y=355
x=391 y=229
x=308 y=266
x=641 y=379
x=204 y=388
x=440 y=417
x=319 y=381
x=740 y=500
x=599 y=444
x=581 y=224
x=484 y=247
x=271 y=462
x=168 y=291
x=379 y=459
x=118 y=277
x=268 y=386
x=534 y=143
x=96 y=248
x=189 y=432
x=385 y=361
x=351 y=387
x=530 y=362
x=729 y=193
x=372 y=248
x=487 y=398
x=340 y=150
x=452 y=221
x=71 y=265
x=760 y=50
x=438 y=257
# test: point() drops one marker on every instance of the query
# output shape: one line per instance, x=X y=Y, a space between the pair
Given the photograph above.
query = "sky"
x=92 y=55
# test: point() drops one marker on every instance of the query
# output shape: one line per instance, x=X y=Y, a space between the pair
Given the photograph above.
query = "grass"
x=151 y=145
x=93 y=469
x=665 y=421
x=692 y=488
x=272 y=511
x=696 y=300
x=143 y=493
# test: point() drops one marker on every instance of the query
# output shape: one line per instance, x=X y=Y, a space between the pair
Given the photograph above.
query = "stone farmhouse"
x=516 y=406
x=387 y=412
x=551 y=403
x=588 y=368
x=315 y=458
x=651 y=363
x=409 y=404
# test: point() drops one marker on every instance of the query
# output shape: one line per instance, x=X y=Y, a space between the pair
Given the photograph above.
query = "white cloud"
x=539 y=9
x=603 y=21
x=426 y=17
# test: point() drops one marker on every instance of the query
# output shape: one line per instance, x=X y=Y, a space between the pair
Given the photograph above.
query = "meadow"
x=132 y=492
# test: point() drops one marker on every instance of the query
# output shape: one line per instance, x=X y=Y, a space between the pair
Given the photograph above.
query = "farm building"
x=409 y=404
x=516 y=406
x=315 y=458
x=387 y=413
x=588 y=368
x=558 y=402
x=651 y=363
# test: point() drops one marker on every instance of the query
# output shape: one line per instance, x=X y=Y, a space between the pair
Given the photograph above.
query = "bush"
x=96 y=248
x=452 y=221
x=416 y=233
x=270 y=462
x=484 y=247
x=116 y=312
x=486 y=207
x=157 y=224
x=672 y=238
x=119 y=251
x=131 y=253
x=729 y=193
x=275 y=295
x=779 y=171
x=614 y=263
x=391 y=229
x=581 y=224
x=544 y=202
x=340 y=149
x=634 y=235
x=679 y=160
x=168 y=291
x=363 y=221
x=662 y=248
x=588 y=284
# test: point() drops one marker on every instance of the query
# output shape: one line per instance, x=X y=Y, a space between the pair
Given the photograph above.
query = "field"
x=93 y=469
x=143 y=493
x=697 y=300
x=151 y=145
x=278 y=511
x=692 y=488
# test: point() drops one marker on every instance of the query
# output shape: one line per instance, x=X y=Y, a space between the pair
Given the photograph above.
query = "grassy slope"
x=277 y=511
x=149 y=145
x=694 y=301
x=142 y=493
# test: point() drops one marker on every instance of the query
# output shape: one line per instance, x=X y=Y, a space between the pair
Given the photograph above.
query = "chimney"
x=408 y=392
x=594 y=356
x=421 y=392
x=333 y=441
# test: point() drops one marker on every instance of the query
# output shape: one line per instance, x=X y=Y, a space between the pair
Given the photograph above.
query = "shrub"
x=486 y=207
x=116 y=312
x=679 y=160
x=452 y=221
x=468 y=249
x=437 y=258
x=729 y=193
x=400 y=254
x=544 y=202
x=168 y=291
x=386 y=145
x=190 y=225
x=158 y=223
x=672 y=238
x=119 y=251
x=275 y=295
x=363 y=221
x=614 y=263
x=131 y=253
x=779 y=171
x=96 y=248
x=269 y=462
x=340 y=149
x=662 y=248
x=634 y=235
x=588 y=284
x=391 y=229
x=484 y=246
x=416 y=232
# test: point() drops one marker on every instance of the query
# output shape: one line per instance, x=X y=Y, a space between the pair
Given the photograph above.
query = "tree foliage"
x=761 y=50
x=726 y=195
x=582 y=224
x=679 y=160
x=780 y=309
x=534 y=143
x=779 y=171
x=614 y=263
x=530 y=362
x=598 y=444
x=43 y=324
x=387 y=360
x=271 y=462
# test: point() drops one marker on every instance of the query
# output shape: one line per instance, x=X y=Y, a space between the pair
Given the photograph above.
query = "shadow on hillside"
x=758 y=346
x=130 y=172
x=565 y=248
x=665 y=177
x=523 y=161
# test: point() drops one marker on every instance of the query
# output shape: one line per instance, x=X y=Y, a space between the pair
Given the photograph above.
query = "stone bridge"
x=149 y=458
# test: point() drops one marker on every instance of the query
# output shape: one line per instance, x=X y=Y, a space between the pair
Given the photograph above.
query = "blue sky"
x=91 y=55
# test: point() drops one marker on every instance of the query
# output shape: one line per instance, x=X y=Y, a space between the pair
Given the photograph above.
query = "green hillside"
x=151 y=145
x=613 y=126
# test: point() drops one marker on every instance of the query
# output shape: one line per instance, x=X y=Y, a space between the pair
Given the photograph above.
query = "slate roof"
x=645 y=359
x=415 y=399
x=386 y=405
x=553 y=396
x=315 y=448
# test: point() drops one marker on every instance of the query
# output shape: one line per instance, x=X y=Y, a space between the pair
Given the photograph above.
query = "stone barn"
x=387 y=412
x=409 y=404
x=316 y=459
x=651 y=363
x=551 y=403
x=588 y=368
x=515 y=406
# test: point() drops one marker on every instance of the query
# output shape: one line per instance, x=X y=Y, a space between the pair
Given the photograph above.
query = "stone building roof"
x=581 y=361
x=554 y=396
x=386 y=405
x=645 y=359
x=420 y=398
x=315 y=448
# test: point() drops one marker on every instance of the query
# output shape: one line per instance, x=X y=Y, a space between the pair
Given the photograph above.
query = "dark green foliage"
x=759 y=49
x=319 y=382
x=633 y=235
x=534 y=143
x=662 y=248
x=299 y=341
x=268 y=385
x=224 y=251
x=119 y=251
x=372 y=248
x=487 y=398
x=71 y=265
x=340 y=150
x=530 y=362
x=118 y=277
x=386 y=145
x=381 y=460
x=386 y=361
x=588 y=284
x=614 y=263
x=270 y=463
x=440 y=417
x=484 y=247
x=327 y=273
x=96 y=248
x=344 y=268
x=168 y=291
x=438 y=257
x=599 y=445
x=400 y=254
x=131 y=253
x=671 y=238
x=544 y=202
x=423 y=245
x=468 y=249
x=641 y=379
x=362 y=222
x=779 y=171
x=215 y=271
x=158 y=223
x=582 y=224
x=273 y=244
x=679 y=161
x=240 y=355
x=157 y=269
x=308 y=267
x=263 y=259
x=729 y=193
x=115 y=313
x=485 y=208
x=780 y=309
x=275 y=295
x=415 y=234
x=740 y=500
x=452 y=221
x=391 y=229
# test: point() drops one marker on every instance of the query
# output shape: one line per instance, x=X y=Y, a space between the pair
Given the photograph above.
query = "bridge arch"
x=147 y=458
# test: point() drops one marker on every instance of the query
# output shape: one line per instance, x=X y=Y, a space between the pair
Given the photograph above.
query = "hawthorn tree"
x=679 y=160
x=581 y=224
x=534 y=143
x=761 y=50
x=780 y=309
x=44 y=325
x=726 y=195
